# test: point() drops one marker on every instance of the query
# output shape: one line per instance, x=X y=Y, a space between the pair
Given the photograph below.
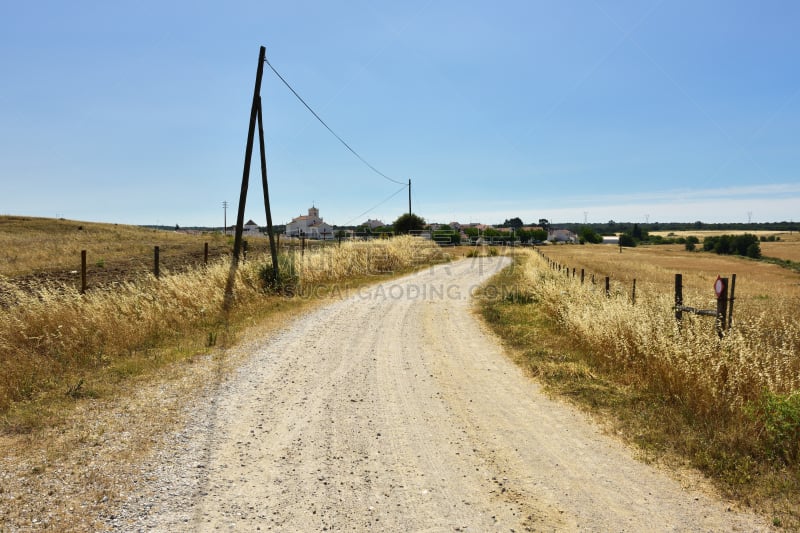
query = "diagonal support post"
x=248 y=154
x=272 y=248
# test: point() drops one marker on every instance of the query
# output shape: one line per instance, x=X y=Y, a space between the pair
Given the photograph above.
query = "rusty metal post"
x=156 y=270
x=678 y=297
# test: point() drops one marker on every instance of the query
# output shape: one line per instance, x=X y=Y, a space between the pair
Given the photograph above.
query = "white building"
x=373 y=223
x=561 y=235
x=251 y=229
x=310 y=226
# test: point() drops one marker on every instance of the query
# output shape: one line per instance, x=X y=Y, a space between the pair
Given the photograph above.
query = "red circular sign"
x=718 y=286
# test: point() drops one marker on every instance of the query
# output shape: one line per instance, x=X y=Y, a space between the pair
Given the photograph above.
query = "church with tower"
x=310 y=226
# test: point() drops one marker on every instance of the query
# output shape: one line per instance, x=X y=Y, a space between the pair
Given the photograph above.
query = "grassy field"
x=730 y=406
x=90 y=382
x=56 y=342
x=41 y=250
x=787 y=248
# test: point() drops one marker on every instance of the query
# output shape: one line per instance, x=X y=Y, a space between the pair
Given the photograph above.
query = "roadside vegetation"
x=92 y=382
x=730 y=406
x=58 y=345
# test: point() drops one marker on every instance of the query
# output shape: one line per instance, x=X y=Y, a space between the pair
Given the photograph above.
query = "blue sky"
x=137 y=112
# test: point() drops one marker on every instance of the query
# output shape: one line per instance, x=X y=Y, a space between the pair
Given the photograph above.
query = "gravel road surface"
x=396 y=410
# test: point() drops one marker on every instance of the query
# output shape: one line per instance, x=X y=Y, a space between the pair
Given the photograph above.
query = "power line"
x=398 y=191
x=329 y=128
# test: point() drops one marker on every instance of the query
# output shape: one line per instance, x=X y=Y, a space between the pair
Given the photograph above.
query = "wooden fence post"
x=722 y=308
x=156 y=271
x=730 y=300
x=633 y=292
x=608 y=286
x=205 y=253
x=83 y=271
x=582 y=275
x=678 y=298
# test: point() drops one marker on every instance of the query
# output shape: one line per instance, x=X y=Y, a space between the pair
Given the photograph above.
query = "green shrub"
x=779 y=414
x=287 y=280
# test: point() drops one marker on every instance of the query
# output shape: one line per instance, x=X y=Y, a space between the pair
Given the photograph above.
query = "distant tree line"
x=746 y=245
x=612 y=228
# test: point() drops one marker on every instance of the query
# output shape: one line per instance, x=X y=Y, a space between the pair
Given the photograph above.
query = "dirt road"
x=395 y=410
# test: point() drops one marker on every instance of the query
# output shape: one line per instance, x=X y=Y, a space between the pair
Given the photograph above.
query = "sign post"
x=721 y=290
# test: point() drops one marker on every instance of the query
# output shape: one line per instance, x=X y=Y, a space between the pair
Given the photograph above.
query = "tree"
x=626 y=239
x=587 y=234
x=539 y=235
x=544 y=223
x=515 y=223
x=408 y=222
x=446 y=235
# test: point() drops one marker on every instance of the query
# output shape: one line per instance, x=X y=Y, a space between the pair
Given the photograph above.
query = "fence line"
x=723 y=313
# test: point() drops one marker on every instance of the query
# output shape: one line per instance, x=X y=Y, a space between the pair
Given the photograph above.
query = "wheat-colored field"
x=787 y=246
x=41 y=245
x=52 y=337
x=656 y=266
x=759 y=354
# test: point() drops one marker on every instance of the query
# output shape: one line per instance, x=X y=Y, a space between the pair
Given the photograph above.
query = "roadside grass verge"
x=730 y=408
x=58 y=346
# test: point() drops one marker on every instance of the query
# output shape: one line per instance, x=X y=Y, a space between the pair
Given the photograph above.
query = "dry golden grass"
x=52 y=337
x=787 y=248
x=91 y=381
x=657 y=265
x=782 y=250
x=757 y=354
x=33 y=245
x=730 y=405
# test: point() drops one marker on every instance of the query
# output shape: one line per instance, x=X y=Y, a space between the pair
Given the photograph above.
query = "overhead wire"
x=331 y=130
x=398 y=191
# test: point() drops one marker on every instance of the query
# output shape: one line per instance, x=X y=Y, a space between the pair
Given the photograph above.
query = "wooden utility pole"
x=409 y=196
x=248 y=153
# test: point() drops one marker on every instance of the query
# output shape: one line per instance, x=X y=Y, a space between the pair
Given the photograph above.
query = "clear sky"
x=137 y=112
